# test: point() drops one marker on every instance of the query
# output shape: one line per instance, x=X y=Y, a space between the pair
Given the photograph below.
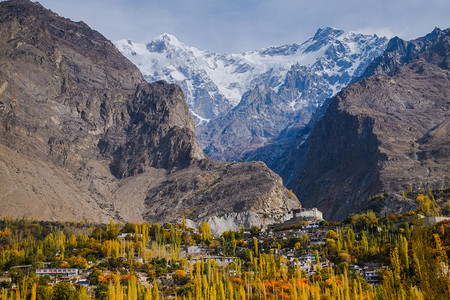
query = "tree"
x=113 y=231
x=331 y=234
x=350 y=239
x=205 y=230
x=428 y=206
x=364 y=242
x=255 y=245
x=101 y=292
x=98 y=234
x=345 y=257
x=155 y=291
x=72 y=242
x=43 y=292
x=229 y=242
x=128 y=228
x=187 y=239
x=214 y=244
x=403 y=252
x=77 y=262
x=81 y=293
x=179 y=277
x=33 y=291
x=93 y=277
x=63 y=291
x=254 y=230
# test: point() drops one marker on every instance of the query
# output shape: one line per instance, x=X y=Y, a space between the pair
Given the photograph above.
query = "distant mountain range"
x=243 y=101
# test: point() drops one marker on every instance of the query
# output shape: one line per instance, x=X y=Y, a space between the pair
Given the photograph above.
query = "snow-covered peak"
x=214 y=83
x=163 y=42
x=327 y=33
x=167 y=37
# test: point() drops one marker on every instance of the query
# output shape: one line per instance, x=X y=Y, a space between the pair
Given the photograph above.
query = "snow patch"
x=200 y=118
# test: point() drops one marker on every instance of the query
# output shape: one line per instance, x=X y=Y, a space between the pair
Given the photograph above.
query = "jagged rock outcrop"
x=400 y=52
x=84 y=136
x=219 y=189
x=381 y=133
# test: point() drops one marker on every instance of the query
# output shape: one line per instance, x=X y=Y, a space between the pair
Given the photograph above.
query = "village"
x=305 y=234
x=172 y=254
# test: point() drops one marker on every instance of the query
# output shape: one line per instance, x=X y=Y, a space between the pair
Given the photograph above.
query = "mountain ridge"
x=84 y=136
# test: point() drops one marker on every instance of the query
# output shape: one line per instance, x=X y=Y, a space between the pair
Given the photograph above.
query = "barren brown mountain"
x=83 y=136
x=380 y=134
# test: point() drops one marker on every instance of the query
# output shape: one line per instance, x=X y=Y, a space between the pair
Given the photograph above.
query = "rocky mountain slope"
x=382 y=133
x=84 y=136
x=243 y=101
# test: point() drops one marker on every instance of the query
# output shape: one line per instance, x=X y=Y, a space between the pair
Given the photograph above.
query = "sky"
x=234 y=26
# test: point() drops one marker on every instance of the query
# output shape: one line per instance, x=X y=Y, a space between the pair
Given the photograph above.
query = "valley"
x=317 y=170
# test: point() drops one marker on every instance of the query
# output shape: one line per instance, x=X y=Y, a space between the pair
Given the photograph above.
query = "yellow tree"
x=403 y=249
x=33 y=292
x=205 y=230
x=155 y=291
x=148 y=294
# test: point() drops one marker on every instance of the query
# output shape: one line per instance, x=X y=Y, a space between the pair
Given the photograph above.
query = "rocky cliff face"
x=73 y=93
x=260 y=116
x=380 y=134
x=83 y=135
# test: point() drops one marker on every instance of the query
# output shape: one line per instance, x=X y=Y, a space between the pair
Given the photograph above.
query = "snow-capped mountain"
x=298 y=77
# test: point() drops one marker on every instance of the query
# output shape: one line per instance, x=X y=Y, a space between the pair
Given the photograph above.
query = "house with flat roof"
x=371 y=276
x=67 y=273
x=220 y=260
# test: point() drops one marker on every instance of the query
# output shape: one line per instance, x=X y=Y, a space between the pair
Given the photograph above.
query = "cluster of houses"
x=308 y=263
x=220 y=260
x=370 y=273
x=316 y=234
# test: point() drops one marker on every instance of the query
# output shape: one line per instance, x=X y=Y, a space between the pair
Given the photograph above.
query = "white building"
x=304 y=213
x=371 y=276
x=220 y=260
x=195 y=250
x=57 y=272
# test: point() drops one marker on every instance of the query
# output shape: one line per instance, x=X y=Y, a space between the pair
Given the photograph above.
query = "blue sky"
x=231 y=26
